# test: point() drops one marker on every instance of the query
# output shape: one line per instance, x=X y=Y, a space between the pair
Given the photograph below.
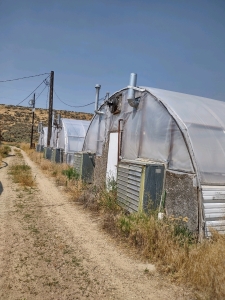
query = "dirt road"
x=51 y=248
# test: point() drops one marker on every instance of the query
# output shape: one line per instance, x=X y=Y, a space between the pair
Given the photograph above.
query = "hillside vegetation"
x=15 y=121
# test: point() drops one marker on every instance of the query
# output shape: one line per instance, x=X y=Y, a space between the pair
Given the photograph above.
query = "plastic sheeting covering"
x=42 y=141
x=103 y=123
x=71 y=135
x=96 y=134
x=151 y=132
x=205 y=122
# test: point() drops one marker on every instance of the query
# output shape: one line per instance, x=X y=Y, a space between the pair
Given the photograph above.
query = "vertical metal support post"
x=119 y=141
x=50 y=108
x=32 y=127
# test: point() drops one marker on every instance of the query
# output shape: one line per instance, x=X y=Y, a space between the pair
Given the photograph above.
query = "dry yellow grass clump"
x=21 y=173
x=71 y=186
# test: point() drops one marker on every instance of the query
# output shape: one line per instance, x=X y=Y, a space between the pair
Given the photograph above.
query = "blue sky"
x=171 y=44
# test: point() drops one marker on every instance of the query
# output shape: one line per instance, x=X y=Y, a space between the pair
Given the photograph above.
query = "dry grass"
x=4 y=150
x=21 y=173
x=177 y=252
x=166 y=242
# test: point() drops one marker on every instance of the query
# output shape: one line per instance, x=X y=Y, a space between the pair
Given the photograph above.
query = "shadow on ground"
x=1 y=188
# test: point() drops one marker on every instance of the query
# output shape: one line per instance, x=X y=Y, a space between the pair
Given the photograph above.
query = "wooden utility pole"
x=32 y=127
x=50 y=108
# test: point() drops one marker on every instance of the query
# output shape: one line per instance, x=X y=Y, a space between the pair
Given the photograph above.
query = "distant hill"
x=15 y=121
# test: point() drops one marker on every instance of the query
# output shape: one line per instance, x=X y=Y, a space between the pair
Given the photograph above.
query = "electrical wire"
x=33 y=91
x=72 y=105
x=47 y=99
x=41 y=92
x=23 y=77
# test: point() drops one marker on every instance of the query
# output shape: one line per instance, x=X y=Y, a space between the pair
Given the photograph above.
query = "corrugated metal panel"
x=48 y=153
x=214 y=208
x=128 y=186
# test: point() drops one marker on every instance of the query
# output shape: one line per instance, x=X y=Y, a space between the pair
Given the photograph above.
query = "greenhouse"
x=67 y=138
x=42 y=141
x=165 y=150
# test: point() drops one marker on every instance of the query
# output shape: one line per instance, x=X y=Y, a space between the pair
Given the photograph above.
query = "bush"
x=71 y=173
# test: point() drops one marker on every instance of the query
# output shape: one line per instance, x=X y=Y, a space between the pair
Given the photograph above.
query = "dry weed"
x=74 y=188
x=21 y=174
x=205 y=267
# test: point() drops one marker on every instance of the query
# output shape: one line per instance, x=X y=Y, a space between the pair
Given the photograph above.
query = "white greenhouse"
x=165 y=150
x=42 y=141
x=67 y=138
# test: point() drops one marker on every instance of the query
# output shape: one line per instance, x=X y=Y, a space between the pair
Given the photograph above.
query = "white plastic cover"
x=71 y=135
x=42 y=141
x=205 y=122
x=164 y=127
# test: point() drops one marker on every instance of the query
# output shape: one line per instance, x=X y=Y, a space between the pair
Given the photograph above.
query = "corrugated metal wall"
x=214 y=208
x=128 y=186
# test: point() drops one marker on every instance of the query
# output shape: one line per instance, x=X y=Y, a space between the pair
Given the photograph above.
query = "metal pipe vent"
x=131 y=92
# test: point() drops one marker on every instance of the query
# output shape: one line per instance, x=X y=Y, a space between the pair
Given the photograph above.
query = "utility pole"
x=32 y=127
x=50 y=108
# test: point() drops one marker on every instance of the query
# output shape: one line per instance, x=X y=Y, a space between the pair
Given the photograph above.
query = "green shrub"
x=71 y=173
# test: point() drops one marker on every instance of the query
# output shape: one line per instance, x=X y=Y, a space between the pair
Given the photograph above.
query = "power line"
x=33 y=91
x=47 y=99
x=23 y=77
x=72 y=105
x=41 y=92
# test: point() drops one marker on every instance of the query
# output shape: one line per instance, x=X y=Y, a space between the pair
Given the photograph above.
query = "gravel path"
x=51 y=248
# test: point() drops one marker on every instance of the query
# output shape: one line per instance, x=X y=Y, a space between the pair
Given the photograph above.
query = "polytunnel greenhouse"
x=42 y=140
x=165 y=150
x=67 y=138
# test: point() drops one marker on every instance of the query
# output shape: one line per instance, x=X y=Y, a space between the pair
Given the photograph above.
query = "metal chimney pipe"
x=131 y=92
x=98 y=86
